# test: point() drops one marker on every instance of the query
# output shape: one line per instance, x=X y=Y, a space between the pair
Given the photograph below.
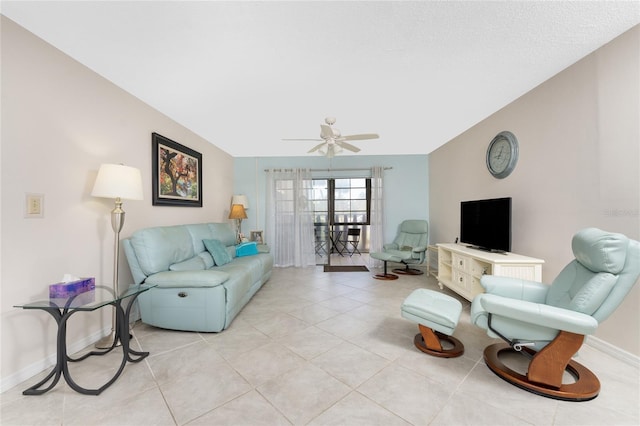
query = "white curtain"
x=376 y=228
x=289 y=224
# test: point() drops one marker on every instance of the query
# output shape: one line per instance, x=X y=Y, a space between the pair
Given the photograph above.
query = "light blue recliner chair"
x=409 y=248
x=548 y=324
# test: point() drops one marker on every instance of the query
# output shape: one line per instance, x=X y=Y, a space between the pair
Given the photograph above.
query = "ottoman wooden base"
x=430 y=342
x=437 y=316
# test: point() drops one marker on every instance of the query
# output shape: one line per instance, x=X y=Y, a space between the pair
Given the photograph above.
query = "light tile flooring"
x=315 y=348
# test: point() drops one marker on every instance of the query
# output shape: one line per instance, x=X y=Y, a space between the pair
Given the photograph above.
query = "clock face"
x=502 y=155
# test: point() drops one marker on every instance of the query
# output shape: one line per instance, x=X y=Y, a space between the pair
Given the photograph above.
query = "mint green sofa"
x=191 y=292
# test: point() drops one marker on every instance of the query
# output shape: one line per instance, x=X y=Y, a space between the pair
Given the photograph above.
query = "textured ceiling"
x=244 y=75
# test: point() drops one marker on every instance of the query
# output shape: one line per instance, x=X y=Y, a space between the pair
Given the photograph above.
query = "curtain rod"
x=327 y=170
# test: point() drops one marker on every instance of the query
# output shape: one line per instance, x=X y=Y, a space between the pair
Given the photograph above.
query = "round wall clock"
x=502 y=155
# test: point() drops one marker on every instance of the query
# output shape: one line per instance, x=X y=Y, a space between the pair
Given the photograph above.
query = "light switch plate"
x=34 y=206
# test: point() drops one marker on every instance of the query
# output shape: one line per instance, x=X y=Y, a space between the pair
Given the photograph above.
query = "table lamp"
x=121 y=183
x=240 y=199
x=238 y=213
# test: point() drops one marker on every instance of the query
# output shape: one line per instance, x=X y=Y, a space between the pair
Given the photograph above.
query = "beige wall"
x=579 y=162
x=60 y=121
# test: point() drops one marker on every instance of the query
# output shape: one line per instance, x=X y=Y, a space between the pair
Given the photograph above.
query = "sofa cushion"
x=194 y=264
x=207 y=259
x=172 y=279
x=153 y=252
x=199 y=232
x=218 y=251
x=222 y=232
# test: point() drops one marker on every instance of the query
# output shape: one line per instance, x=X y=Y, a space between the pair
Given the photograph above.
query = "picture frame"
x=257 y=236
x=176 y=173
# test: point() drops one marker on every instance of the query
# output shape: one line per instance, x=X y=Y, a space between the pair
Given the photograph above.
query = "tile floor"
x=315 y=348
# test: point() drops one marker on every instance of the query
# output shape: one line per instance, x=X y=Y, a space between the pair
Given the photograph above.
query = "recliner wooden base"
x=385 y=275
x=585 y=388
x=408 y=271
x=429 y=342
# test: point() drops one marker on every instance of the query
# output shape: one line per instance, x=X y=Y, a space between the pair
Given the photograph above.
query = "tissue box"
x=246 y=249
x=74 y=301
x=72 y=288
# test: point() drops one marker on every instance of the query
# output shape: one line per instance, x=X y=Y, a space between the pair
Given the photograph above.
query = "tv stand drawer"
x=459 y=262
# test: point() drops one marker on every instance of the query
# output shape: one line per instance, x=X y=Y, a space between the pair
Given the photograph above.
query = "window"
x=342 y=201
x=320 y=201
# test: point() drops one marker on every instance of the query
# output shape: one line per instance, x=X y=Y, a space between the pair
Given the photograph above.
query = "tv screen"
x=486 y=224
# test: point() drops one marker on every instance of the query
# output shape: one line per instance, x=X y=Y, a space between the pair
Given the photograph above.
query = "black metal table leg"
x=65 y=366
x=126 y=340
x=61 y=369
x=57 y=369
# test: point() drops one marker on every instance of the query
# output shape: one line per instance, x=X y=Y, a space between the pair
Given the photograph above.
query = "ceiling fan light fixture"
x=330 y=152
x=333 y=142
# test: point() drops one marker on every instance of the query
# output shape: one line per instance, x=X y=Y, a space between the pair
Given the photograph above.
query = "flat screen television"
x=486 y=224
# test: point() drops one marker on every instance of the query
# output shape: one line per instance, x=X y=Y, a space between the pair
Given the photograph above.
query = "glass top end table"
x=62 y=308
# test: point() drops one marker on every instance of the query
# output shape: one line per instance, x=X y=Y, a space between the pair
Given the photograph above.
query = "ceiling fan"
x=333 y=142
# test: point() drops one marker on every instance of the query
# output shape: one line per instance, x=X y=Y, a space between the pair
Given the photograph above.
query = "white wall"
x=405 y=194
x=579 y=166
x=60 y=121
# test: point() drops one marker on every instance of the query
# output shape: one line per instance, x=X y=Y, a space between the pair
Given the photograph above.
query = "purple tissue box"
x=73 y=288
x=75 y=300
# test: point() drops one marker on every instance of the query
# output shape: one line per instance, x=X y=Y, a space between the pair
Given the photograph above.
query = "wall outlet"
x=34 y=205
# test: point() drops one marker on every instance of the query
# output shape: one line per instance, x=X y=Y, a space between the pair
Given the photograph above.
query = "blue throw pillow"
x=218 y=251
x=246 y=249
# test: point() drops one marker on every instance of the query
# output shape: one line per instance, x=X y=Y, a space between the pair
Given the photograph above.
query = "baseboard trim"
x=614 y=351
x=38 y=367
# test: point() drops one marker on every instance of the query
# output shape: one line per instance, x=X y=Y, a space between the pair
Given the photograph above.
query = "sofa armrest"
x=173 y=279
x=134 y=266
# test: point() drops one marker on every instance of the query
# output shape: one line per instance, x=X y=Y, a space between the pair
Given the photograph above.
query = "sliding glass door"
x=342 y=210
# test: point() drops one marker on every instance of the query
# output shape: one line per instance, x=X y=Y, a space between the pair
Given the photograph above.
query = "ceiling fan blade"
x=314 y=140
x=317 y=147
x=326 y=132
x=348 y=146
x=360 y=137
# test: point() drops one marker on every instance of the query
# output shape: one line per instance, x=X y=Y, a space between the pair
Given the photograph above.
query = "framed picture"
x=257 y=236
x=177 y=173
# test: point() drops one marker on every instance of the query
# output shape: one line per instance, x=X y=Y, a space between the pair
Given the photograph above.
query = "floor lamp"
x=121 y=183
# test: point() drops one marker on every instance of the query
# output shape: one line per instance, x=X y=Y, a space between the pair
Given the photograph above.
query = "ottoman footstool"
x=385 y=257
x=437 y=317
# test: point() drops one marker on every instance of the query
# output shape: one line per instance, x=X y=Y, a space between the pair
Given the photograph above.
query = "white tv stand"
x=460 y=268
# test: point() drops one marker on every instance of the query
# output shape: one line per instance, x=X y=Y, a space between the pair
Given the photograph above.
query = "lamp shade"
x=118 y=181
x=240 y=199
x=237 y=212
